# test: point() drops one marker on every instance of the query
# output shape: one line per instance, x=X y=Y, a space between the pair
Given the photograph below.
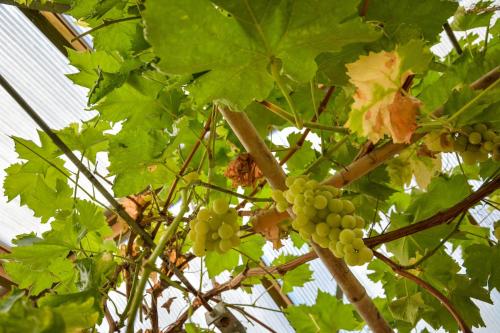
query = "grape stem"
x=275 y=72
x=224 y=190
x=151 y=261
x=310 y=125
x=472 y=101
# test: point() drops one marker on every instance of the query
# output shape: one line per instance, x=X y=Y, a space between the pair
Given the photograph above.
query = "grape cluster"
x=215 y=228
x=473 y=143
x=322 y=216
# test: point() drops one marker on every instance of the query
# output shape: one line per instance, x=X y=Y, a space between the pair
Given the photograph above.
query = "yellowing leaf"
x=379 y=106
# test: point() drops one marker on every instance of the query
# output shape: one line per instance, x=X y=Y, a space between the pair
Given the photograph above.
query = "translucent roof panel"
x=36 y=69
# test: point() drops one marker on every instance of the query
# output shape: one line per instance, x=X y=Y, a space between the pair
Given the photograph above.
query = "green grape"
x=304 y=234
x=346 y=236
x=365 y=254
x=334 y=220
x=296 y=189
x=212 y=245
x=335 y=205
x=225 y=231
x=490 y=135
x=358 y=243
x=214 y=223
x=482 y=156
x=214 y=236
x=199 y=249
x=348 y=222
x=322 y=214
x=309 y=194
x=309 y=228
x=231 y=216
x=301 y=220
x=290 y=180
x=327 y=194
x=225 y=245
x=321 y=241
x=320 y=202
x=301 y=181
x=340 y=249
x=201 y=227
x=469 y=158
x=360 y=222
x=309 y=211
x=203 y=214
x=351 y=259
x=281 y=207
x=235 y=241
x=348 y=248
x=348 y=207
x=311 y=184
x=220 y=206
x=475 y=138
x=191 y=235
x=358 y=233
x=299 y=200
x=481 y=128
x=334 y=234
x=497 y=233
x=277 y=195
x=488 y=145
x=200 y=237
x=309 y=201
x=290 y=197
x=322 y=229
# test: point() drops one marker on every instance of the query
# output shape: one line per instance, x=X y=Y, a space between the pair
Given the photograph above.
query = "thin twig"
x=186 y=163
x=285 y=115
x=453 y=38
x=105 y=24
x=224 y=190
x=429 y=288
x=245 y=313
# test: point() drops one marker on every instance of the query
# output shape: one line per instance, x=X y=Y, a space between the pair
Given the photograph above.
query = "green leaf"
x=442 y=193
x=44 y=195
x=407 y=308
x=239 y=48
x=481 y=263
x=401 y=18
x=39 y=266
x=294 y=278
x=218 y=263
x=326 y=315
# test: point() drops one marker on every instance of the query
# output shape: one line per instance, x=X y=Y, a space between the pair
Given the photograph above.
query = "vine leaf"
x=294 y=278
x=425 y=20
x=481 y=263
x=407 y=308
x=319 y=318
x=238 y=48
x=380 y=107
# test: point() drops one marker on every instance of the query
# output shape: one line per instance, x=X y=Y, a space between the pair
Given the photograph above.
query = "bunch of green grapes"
x=321 y=215
x=474 y=143
x=215 y=228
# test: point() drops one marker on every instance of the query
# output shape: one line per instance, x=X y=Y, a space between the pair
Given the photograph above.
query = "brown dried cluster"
x=243 y=171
